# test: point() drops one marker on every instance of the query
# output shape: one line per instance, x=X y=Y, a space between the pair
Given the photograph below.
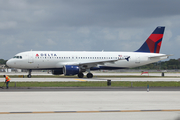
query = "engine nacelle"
x=57 y=72
x=70 y=70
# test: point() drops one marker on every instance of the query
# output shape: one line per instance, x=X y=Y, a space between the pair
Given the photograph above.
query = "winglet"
x=153 y=43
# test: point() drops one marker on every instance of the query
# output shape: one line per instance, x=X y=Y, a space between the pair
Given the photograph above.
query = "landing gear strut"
x=89 y=75
x=29 y=75
x=80 y=75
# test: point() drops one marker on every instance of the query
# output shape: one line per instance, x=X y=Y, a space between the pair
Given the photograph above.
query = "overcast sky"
x=86 y=25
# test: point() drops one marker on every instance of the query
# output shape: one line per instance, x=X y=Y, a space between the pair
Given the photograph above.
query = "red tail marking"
x=155 y=37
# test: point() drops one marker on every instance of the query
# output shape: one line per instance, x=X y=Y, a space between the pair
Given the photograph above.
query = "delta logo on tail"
x=153 y=43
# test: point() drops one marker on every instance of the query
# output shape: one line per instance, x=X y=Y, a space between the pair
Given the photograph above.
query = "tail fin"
x=153 y=43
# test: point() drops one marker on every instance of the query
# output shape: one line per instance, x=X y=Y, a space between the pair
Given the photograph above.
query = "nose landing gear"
x=29 y=75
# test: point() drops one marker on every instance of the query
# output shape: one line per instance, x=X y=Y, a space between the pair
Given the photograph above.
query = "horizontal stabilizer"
x=160 y=56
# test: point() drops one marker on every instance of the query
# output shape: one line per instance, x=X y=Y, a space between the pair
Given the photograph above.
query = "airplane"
x=77 y=62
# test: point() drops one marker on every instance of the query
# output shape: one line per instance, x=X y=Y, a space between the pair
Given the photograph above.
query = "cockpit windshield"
x=18 y=57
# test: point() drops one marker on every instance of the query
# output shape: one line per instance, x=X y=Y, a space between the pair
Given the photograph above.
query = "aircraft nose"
x=9 y=63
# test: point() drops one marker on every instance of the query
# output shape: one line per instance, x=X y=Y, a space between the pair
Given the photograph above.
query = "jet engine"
x=71 y=70
x=57 y=72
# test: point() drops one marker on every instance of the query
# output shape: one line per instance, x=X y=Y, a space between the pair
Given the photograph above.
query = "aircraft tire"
x=80 y=75
x=89 y=75
x=29 y=76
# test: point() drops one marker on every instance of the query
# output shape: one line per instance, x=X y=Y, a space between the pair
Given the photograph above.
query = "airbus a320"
x=76 y=63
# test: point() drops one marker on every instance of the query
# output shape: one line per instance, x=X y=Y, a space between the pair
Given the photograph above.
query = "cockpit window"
x=18 y=57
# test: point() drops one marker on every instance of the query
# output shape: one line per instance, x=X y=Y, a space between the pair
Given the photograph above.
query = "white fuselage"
x=58 y=59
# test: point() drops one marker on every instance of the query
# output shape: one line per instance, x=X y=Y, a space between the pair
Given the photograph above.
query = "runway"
x=158 y=74
x=101 y=111
x=160 y=103
x=75 y=79
x=157 y=77
x=90 y=105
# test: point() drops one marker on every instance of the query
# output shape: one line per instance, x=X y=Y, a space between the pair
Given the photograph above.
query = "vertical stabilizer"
x=153 y=43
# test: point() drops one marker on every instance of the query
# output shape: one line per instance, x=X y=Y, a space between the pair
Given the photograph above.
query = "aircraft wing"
x=96 y=63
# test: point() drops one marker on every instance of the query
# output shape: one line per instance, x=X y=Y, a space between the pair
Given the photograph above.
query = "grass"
x=93 y=84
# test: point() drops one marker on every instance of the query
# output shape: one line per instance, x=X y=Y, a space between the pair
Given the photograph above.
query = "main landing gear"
x=81 y=75
x=29 y=75
x=89 y=75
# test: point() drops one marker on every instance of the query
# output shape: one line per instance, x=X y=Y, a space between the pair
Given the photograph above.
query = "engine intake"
x=71 y=70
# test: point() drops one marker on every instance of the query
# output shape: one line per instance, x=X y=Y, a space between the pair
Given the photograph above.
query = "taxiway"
x=90 y=105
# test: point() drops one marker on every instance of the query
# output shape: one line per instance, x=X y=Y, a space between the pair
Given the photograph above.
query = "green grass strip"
x=93 y=84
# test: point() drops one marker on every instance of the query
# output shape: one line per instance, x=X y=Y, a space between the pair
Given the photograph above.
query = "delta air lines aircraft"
x=75 y=63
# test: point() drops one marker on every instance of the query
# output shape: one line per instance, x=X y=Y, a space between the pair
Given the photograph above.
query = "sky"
x=86 y=25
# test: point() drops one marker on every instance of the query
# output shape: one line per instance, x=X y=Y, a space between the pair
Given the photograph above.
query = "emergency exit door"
x=30 y=58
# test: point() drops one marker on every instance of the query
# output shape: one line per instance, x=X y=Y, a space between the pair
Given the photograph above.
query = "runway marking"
x=101 y=111
x=80 y=79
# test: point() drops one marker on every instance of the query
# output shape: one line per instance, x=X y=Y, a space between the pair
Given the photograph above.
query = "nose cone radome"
x=9 y=63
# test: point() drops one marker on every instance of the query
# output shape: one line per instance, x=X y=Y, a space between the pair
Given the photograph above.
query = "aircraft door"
x=30 y=58
x=137 y=59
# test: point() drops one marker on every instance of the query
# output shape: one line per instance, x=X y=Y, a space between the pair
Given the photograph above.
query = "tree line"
x=3 y=62
x=162 y=65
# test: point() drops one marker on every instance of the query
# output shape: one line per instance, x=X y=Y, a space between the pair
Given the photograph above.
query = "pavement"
x=96 y=105
x=177 y=74
x=75 y=79
x=127 y=103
